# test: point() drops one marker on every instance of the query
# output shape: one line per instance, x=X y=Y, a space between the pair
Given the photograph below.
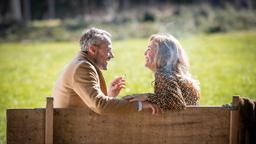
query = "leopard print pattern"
x=173 y=94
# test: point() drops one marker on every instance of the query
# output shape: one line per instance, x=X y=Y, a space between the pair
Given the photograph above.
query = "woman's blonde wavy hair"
x=171 y=57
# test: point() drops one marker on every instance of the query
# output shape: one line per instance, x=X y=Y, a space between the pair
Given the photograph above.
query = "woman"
x=174 y=88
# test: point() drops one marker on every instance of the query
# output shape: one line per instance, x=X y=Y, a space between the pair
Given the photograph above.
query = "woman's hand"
x=137 y=97
x=116 y=86
x=145 y=104
x=155 y=109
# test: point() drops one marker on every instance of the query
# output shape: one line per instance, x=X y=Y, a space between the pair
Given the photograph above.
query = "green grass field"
x=225 y=64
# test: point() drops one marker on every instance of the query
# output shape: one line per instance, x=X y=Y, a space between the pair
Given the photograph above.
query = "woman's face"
x=150 y=55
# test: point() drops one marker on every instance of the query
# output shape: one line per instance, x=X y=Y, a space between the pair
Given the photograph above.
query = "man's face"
x=103 y=54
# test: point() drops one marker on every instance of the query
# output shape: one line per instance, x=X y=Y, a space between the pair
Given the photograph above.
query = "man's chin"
x=103 y=67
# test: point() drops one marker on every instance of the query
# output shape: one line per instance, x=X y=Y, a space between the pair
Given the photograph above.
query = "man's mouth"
x=108 y=59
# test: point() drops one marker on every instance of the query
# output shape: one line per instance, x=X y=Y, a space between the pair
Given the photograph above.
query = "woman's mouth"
x=146 y=58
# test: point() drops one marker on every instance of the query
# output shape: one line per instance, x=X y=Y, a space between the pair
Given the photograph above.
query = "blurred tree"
x=27 y=10
x=38 y=9
x=123 y=4
x=51 y=9
x=215 y=3
x=16 y=11
x=19 y=11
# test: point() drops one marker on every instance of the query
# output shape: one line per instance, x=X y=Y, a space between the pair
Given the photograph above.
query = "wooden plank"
x=49 y=121
x=25 y=126
x=195 y=125
x=234 y=121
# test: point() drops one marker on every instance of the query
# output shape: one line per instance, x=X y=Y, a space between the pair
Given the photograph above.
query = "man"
x=82 y=83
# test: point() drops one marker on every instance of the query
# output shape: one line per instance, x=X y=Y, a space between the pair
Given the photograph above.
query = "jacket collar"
x=85 y=56
x=102 y=80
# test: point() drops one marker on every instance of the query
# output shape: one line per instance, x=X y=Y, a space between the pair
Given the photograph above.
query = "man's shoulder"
x=78 y=68
x=81 y=64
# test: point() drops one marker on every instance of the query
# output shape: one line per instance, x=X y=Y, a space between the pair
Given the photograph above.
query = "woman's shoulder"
x=190 y=84
x=183 y=83
x=163 y=75
x=190 y=91
x=165 y=79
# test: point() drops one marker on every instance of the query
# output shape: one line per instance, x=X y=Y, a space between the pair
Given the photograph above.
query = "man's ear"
x=92 y=50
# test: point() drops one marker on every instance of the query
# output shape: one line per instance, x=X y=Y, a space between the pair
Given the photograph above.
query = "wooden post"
x=234 y=121
x=49 y=121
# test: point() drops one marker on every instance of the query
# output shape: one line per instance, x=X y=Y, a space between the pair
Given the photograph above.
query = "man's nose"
x=111 y=55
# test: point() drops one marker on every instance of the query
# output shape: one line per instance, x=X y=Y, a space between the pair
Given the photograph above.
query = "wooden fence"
x=194 y=125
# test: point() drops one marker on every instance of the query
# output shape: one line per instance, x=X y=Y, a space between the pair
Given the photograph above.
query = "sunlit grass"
x=225 y=64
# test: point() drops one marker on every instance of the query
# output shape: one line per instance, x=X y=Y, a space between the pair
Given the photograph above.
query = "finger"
x=121 y=83
x=122 y=80
x=133 y=100
x=118 y=83
x=116 y=80
x=128 y=97
x=157 y=111
x=114 y=83
x=153 y=109
x=119 y=87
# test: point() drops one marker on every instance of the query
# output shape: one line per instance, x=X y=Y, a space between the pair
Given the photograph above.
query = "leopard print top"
x=173 y=94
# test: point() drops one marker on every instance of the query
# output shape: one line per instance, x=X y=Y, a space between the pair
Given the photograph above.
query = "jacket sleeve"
x=167 y=94
x=86 y=85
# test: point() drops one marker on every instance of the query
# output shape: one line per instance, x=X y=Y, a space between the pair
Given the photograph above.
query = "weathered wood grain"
x=235 y=121
x=25 y=126
x=49 y=121
x=195 y=125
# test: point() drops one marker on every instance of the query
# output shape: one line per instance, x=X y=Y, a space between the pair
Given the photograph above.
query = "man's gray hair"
x=94 y=36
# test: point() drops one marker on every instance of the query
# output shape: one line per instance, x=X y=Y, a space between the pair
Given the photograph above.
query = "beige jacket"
x=82 y=84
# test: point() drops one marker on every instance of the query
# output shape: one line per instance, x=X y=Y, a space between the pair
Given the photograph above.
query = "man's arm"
x=86 y=85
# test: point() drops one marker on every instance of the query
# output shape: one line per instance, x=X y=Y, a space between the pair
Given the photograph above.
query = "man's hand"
x=155 y=109
x=137 y=97
x=116 y=86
